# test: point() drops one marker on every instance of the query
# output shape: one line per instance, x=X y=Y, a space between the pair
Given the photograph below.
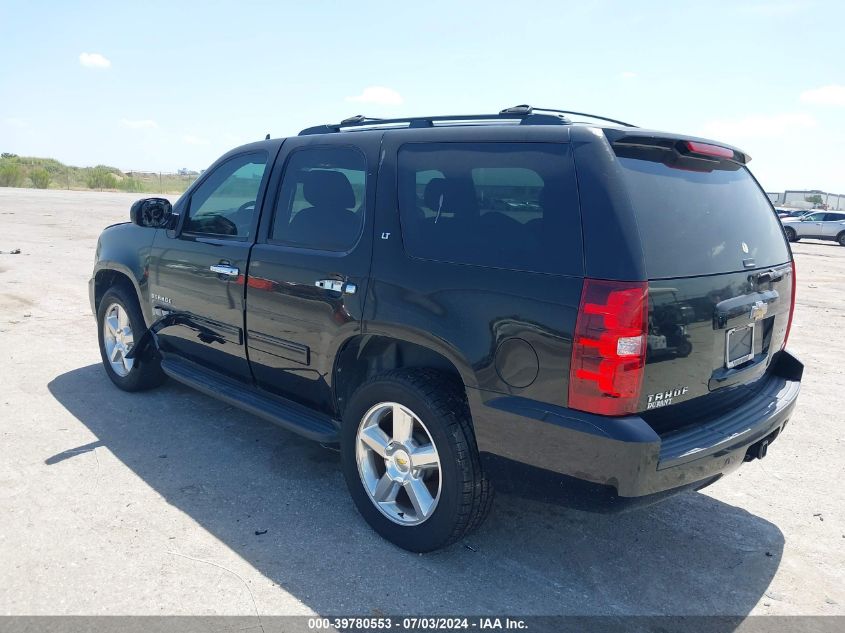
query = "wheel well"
x=365 y=356
x=106 y=279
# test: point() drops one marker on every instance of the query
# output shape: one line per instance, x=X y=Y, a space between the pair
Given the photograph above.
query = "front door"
x=308 y=272
x=199 y=270
x=811 y=225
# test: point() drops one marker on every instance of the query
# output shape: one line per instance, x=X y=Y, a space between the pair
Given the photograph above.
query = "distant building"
x=798 y=199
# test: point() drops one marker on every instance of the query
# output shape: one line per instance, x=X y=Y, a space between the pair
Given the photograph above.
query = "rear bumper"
x=587 y=460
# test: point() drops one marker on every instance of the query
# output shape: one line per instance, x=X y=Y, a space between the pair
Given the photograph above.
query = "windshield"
x=702 y=223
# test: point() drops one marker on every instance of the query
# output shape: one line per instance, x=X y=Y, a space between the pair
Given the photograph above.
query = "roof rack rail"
x=527 y=110
x=523 y=114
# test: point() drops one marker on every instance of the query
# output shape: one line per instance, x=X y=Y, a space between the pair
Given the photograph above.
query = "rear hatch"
x=720 y=277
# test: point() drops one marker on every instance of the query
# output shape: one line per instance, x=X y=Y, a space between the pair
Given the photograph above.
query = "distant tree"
x=11 y=174
x=8 y=155
x=40 y=178
x=99 y=178
x=131 y=184
x=815 y=199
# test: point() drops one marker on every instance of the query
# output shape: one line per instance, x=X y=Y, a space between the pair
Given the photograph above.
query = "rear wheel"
x=791 y=235
x=410 y=459
x=120 y=325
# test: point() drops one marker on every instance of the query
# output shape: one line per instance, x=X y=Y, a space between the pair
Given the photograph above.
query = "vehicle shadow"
x=234 y=475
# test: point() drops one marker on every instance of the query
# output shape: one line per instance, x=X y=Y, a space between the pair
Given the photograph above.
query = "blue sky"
x=163 y=85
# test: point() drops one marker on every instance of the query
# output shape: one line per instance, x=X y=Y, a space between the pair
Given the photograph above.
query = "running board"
x=286 y=413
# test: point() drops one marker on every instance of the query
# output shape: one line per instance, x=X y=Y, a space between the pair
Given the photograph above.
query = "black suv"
x=589 y=312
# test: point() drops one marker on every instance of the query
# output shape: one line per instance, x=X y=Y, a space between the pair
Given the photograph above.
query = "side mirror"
x=154 y=213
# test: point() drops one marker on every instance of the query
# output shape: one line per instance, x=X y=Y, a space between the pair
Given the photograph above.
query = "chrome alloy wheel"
x=398 y=463
x=118 y=339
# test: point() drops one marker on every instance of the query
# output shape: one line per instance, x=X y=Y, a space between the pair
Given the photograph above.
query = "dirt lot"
x=113 y=503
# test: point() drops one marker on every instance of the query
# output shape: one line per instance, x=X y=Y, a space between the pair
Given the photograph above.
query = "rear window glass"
x=502 y=205
x=701 y=223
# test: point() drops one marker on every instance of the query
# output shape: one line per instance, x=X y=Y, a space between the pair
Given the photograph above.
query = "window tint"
x=814 y=217
x=224 y=204
x=503 y=205
x=834 y=217
x=700 y=223
x=321 y=199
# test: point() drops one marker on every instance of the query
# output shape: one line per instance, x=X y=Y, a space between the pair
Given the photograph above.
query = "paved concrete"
x=148 y=504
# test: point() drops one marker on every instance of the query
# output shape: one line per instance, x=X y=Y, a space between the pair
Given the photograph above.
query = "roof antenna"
x=267 y=138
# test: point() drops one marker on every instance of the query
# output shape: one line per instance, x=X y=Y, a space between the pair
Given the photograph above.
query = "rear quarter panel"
x=467 y=312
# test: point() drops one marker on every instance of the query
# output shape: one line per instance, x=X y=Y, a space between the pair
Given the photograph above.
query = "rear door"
x=833 y=225
x=811 y=225
x=720 y=278
x=308 y=272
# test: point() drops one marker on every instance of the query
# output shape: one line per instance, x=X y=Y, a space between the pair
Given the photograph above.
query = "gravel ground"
x=112 y=503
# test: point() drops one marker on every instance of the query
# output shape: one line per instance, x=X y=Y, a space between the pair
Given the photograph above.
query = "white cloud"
x=379 y=95
x=138 y=124
x=757 y=126
x=832 y=94
x=629 y=75
x=94 y=60
x=195 y=140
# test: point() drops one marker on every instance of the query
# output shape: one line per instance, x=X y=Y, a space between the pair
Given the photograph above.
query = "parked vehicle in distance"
x=817 y=225
x=592 y=313
x=792 y=213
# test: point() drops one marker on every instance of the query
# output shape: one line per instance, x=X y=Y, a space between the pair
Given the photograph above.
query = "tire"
x=436 y=405
x=120 y=307
x=791 y=235
x=841 y=239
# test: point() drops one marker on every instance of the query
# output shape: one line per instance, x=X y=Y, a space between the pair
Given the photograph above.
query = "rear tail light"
x=706 y=149
x=608 y=349
x=791 y=308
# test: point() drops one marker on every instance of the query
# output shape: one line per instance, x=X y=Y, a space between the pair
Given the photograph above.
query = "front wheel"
x=791 y=235
x=841 y=239
x=410 y=460
x=120 y=324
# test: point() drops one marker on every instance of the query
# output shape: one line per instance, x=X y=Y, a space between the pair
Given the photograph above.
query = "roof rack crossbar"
x=523 y=114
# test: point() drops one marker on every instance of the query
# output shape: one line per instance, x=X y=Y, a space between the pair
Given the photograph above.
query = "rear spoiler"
x=682 y=153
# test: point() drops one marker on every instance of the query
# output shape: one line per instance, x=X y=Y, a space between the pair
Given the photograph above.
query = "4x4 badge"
x=759 y=310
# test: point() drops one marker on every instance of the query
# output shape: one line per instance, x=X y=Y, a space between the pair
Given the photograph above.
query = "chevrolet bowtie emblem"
x=759 y=310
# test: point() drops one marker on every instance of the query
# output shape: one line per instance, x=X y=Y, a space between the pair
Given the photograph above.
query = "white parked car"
x=818 y=225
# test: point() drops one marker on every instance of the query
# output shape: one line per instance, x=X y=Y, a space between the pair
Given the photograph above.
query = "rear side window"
x=502 y=205
x=701 y=223
x=321 y=199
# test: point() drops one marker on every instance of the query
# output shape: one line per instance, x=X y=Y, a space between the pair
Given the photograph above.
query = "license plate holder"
x=739 y=345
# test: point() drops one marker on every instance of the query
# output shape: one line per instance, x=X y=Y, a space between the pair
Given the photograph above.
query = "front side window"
x=322 y=198
x=501 y=205
x=224 y=204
